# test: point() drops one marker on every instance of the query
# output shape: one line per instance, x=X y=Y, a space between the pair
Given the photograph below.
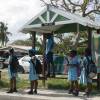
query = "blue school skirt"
x=72 y=74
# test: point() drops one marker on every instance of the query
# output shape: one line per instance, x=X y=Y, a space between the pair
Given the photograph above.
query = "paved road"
x=45 y=95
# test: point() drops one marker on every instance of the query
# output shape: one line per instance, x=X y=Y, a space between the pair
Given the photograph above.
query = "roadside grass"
x=50 y=83
x=57 y=84
x=4 y=82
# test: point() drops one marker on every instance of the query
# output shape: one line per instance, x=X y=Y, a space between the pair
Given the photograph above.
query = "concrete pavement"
x=45 y=95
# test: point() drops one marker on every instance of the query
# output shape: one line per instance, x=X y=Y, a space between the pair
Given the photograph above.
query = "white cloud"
x=16 y=13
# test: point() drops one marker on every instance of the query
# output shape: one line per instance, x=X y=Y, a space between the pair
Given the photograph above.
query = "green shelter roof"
x=55 y=20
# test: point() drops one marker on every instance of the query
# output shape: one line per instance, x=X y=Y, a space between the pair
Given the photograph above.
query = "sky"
x=16 y=13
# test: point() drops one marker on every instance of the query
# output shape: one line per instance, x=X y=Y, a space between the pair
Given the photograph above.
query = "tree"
x=85 y=8
x=63 y=45
x=3 y=34
x=65 y=42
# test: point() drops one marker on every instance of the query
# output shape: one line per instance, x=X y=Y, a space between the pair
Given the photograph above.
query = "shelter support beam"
x=98 y=74
x=89 y=38
x=44 y=48
x=33 y=39
x=98 y=81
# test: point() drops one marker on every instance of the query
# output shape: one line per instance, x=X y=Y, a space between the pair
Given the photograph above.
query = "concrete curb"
x=44 y=95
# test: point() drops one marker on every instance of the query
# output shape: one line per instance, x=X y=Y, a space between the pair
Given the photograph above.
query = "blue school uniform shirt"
x=49 y=44
x=72 y=71
x=49 y=48
x=32 y=73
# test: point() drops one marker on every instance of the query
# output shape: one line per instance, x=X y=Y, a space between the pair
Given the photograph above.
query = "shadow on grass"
x=3 y=84
x=96 y=93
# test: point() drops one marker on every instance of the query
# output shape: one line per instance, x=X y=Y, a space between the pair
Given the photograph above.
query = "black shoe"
x=35 y=92
x=30 y=92
x=70 y=91
x=15 y=90
x=75 y=92
x=48 y=75
x=10 y=91
x=87 y=94
x=53 y=76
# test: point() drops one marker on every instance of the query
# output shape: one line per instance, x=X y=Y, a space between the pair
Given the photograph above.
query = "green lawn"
x=50 y=83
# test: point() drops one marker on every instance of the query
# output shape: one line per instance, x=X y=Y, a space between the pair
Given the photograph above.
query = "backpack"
x=15 y=62
x=91 y=68
x=38 y=67
x=78 y=70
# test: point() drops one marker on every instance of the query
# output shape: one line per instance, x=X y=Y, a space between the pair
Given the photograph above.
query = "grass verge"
x=51 y=83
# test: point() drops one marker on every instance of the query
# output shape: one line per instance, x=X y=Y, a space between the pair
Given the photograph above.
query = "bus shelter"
x=52 y=20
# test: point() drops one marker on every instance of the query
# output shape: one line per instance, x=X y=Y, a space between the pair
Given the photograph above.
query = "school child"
x=49 y=55
x=33 y=73
x=73 y=73
x=84 y=77
x=12 y=70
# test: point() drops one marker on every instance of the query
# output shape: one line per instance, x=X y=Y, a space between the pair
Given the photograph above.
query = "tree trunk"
x=75 y=44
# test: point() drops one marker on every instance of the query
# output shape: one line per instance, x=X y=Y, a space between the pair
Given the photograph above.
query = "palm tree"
x=3 y=34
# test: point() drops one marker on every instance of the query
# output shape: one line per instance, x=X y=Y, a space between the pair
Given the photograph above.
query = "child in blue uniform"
x=33 y=76
x=12 y=70
x=72 y=72
x=84 y=79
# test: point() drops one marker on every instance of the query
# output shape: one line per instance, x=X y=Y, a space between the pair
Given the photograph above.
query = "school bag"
x=91 y=68
x=14 y=63
x=38 y=67
x=78 y=70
